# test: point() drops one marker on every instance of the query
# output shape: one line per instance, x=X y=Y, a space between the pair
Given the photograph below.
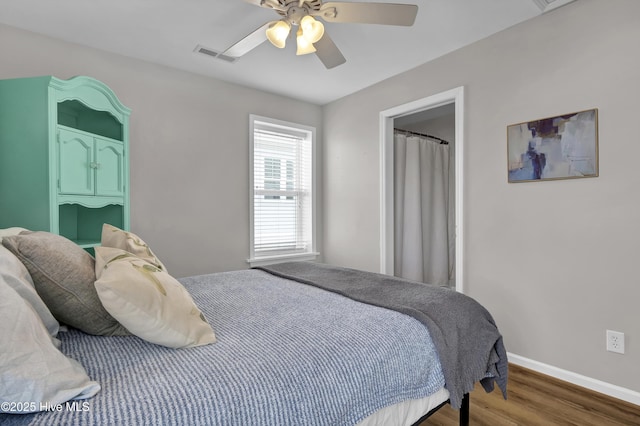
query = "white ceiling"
x=167 y=32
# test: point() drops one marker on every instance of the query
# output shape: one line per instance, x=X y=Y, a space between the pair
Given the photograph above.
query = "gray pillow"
x=64 y=277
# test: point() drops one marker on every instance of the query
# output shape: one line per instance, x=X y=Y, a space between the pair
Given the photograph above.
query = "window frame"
x=291 y=128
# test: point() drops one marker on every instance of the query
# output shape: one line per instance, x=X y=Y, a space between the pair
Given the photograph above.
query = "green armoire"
x=64 y=149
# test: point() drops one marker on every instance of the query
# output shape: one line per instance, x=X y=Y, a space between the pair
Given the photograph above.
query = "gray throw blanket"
x=465 y=335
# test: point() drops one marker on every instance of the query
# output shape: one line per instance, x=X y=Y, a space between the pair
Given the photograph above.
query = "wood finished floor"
x=536 y=399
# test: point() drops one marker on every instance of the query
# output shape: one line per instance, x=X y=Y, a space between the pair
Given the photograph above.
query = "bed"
x=293 y=344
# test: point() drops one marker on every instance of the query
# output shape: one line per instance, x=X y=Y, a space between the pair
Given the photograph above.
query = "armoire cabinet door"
x=109 y=168
x=75 y=159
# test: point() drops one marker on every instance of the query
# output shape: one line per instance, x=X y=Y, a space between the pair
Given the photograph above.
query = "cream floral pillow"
x=128 y=241
x=149 y=302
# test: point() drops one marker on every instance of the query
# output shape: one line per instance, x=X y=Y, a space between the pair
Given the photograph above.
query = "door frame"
x=455 y=96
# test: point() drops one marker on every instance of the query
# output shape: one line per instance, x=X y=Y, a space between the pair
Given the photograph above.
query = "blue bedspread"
x=287 y=354
x=468 y=342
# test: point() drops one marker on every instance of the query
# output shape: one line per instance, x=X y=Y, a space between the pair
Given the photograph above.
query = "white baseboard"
x=577 y=379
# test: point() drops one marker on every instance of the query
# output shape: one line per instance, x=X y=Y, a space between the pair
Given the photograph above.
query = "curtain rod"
x=409 y=132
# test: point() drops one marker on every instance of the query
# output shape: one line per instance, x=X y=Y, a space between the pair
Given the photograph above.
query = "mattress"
x=406 y=412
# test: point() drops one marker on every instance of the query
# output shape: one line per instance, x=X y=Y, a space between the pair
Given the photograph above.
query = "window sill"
x=269 y=260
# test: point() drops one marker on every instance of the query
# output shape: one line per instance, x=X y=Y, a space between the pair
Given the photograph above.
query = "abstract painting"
x=561 y=147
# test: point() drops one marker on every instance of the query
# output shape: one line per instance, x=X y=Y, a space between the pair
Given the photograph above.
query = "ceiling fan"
x=310 y=35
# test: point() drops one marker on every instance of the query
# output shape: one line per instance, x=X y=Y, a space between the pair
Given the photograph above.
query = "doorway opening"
x=406 y=114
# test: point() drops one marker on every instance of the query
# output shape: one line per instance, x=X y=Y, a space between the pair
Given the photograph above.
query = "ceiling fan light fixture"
x=304 y=45
x=308 y=16
x=312 y=29
x=278 y=32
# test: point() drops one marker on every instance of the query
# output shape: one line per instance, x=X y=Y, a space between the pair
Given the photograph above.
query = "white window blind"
x=282 y=189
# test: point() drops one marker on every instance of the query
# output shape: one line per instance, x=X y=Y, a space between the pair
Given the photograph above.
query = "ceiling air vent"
x=547 y=5
x=214 y=54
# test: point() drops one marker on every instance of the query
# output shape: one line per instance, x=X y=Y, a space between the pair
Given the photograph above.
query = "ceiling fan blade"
x=328 y=52
x=248 y=43
x=369 y=13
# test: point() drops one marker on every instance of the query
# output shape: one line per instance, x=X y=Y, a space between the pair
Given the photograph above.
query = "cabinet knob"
x=94 y=165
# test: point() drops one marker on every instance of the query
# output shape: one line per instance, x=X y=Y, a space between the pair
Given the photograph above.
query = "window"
x=282 y=191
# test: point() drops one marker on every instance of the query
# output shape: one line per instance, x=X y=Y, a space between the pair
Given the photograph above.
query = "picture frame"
x=560 y=147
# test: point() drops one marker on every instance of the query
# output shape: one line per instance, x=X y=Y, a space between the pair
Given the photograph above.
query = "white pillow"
x=15 y=274
x=8 y=232
x=34 y=372
x=149 y=302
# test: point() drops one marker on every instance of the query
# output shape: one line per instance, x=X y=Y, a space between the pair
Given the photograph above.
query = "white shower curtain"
x=424 y=219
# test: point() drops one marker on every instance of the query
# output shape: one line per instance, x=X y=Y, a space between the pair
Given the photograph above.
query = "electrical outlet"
x=615 y=341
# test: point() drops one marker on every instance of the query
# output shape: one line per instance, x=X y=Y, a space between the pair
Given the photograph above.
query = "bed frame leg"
x=464 y=411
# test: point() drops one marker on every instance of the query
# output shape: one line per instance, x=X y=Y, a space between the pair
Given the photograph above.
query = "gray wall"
x=189 y=147
x=555 y=262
